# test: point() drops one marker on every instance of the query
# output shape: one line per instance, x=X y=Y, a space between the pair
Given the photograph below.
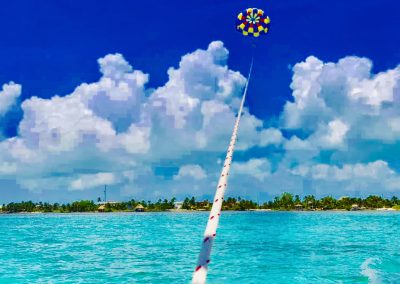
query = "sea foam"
x=369 y=272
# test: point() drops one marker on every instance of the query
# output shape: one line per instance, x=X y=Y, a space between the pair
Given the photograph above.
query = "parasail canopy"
x=252 y=22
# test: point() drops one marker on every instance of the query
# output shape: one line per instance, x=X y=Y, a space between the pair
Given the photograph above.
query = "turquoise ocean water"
x=251 y=247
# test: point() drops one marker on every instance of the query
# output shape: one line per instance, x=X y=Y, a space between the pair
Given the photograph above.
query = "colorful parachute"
x=252 y=21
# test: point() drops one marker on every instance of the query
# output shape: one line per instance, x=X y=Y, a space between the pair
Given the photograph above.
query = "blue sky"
x=50 y=48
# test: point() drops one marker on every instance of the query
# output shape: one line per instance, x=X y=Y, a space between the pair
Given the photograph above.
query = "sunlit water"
x=251 y=247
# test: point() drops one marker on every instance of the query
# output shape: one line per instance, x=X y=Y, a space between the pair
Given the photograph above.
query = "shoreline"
x=380 y=210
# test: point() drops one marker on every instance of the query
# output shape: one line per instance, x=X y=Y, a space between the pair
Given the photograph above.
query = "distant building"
x=178 y=205
x=298 y=207
x=102 y=205
x=139 y=208
x=355 y=207
x=202 y=205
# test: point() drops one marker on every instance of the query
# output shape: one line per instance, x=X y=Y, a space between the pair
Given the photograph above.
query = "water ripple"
x=252 y=247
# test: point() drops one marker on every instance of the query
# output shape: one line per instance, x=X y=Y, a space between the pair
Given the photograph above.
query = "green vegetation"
x=309 y=202
x=284 y=202
x=86 y=206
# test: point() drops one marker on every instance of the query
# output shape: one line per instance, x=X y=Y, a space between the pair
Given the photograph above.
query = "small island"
x=284 y=202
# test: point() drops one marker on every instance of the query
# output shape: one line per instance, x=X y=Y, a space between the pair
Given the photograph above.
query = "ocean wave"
x=372 y=274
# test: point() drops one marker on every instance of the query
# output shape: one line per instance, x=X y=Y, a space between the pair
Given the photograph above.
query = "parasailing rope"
x=200 y=273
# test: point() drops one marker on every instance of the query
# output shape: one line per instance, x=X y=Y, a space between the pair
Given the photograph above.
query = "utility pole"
x=105 y=193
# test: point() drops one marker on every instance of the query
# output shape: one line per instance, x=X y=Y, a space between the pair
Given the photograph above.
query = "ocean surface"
x=251 y=247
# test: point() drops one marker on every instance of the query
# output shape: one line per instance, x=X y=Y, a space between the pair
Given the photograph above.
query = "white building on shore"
x=178 y=204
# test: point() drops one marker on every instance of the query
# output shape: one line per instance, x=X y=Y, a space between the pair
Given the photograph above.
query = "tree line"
x=289 y=202
x=286 y=201
x=86 y=206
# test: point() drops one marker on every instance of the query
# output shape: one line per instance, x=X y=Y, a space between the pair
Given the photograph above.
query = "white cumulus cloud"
x=193 y=171
x=8 y=96
x=92 y=180
x=115 y=125
x=339 y=131
x=257 y=168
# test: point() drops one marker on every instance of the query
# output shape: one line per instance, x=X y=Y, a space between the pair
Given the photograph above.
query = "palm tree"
x=328 y=203
x=286 y=200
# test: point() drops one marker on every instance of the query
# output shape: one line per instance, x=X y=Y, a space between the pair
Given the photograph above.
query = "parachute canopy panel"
x=252 y=22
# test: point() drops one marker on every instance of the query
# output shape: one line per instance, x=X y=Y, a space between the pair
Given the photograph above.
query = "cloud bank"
x=337 y=135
